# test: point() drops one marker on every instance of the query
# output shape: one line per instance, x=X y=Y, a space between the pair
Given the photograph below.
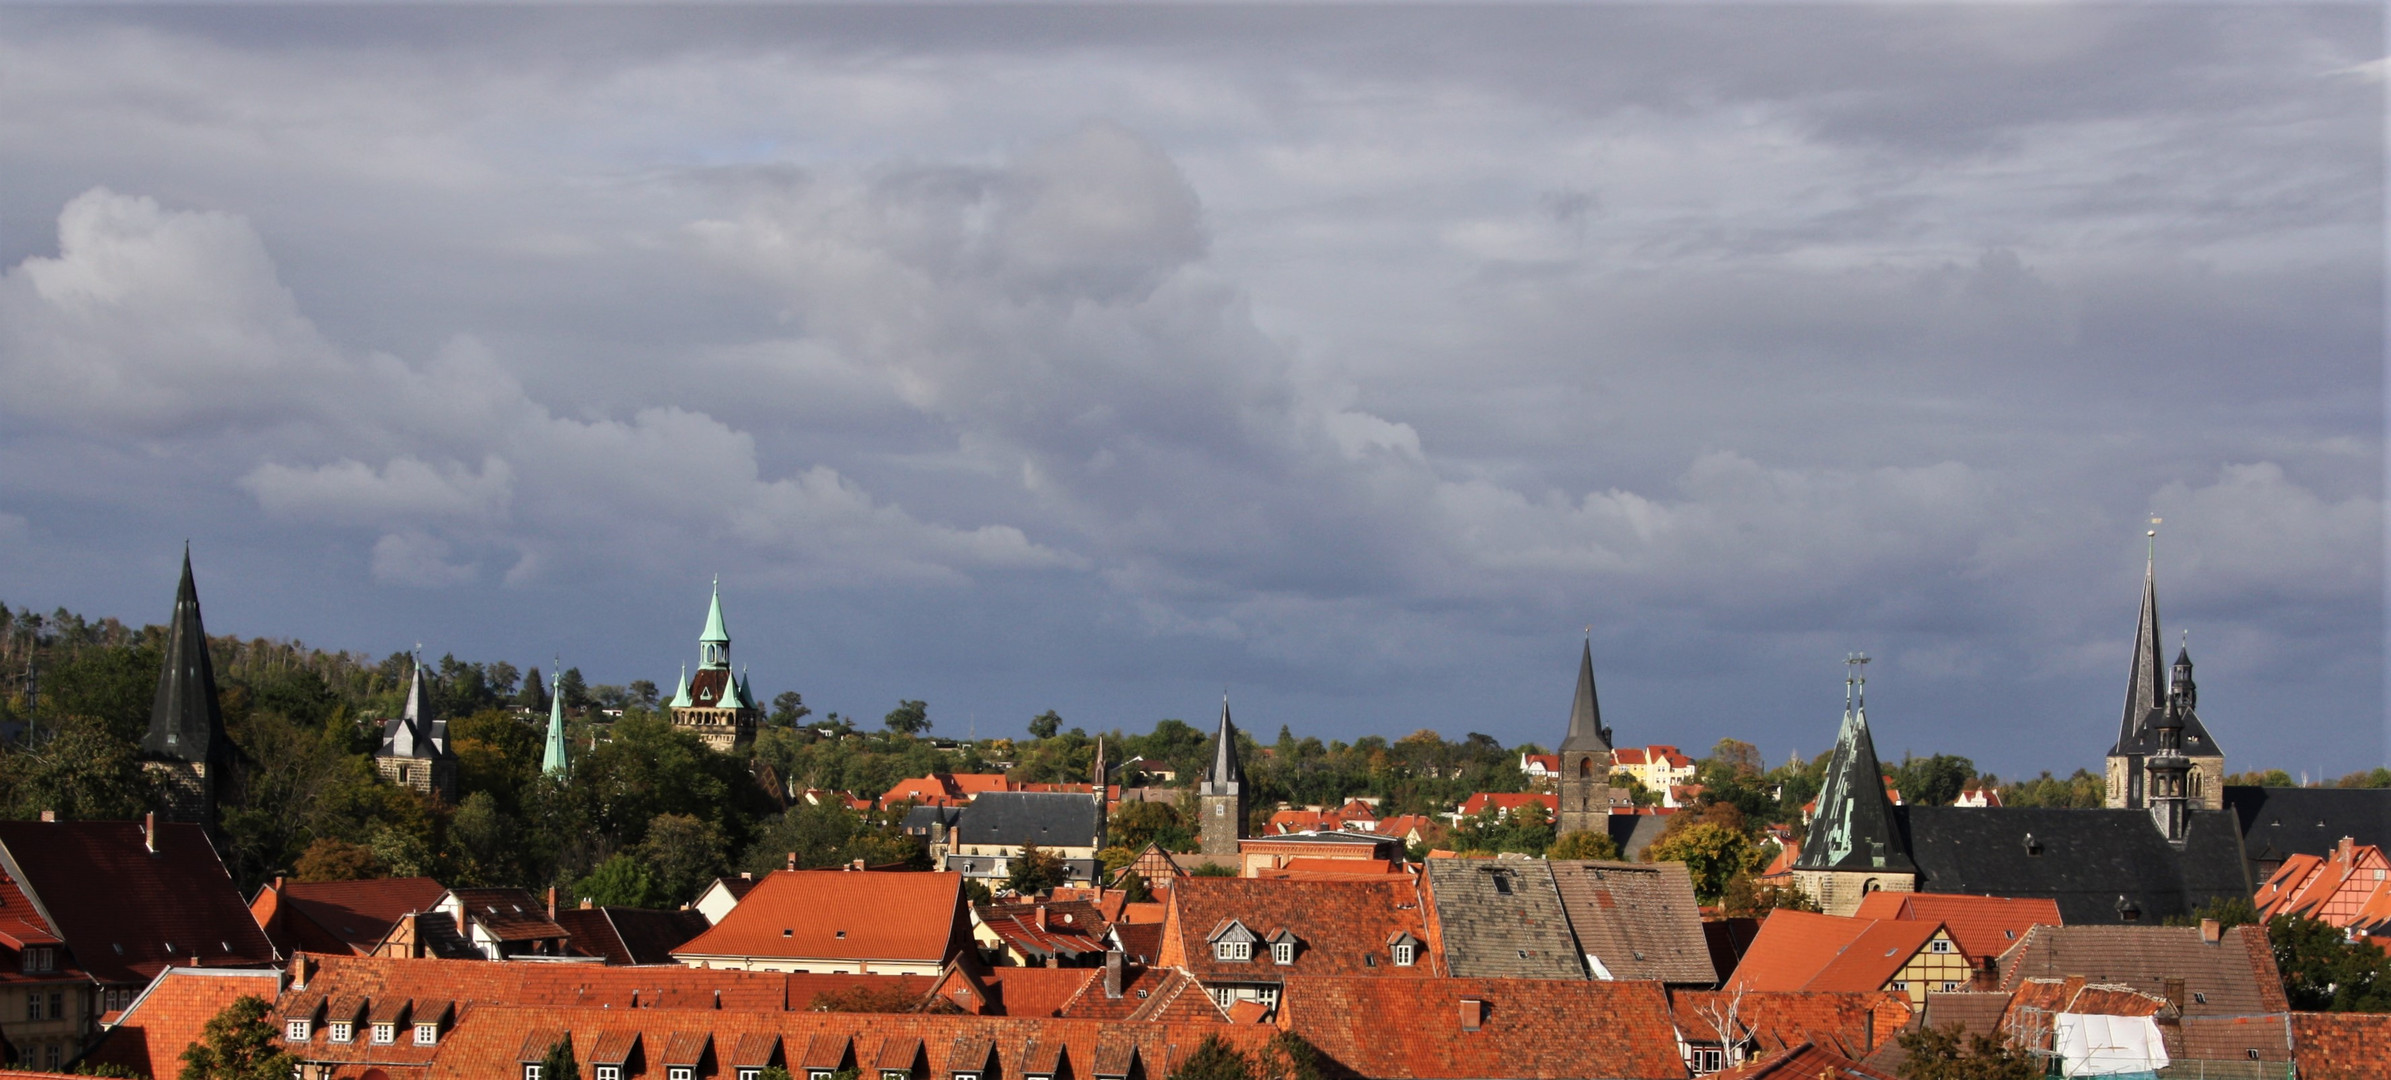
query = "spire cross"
x=1855 y=678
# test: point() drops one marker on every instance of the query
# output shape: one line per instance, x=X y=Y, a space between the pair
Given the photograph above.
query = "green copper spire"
x=554 y=762
x=714 y=643
x=680 y=690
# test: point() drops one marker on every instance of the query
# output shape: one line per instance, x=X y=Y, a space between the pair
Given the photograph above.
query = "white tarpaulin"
x=2092 y=1045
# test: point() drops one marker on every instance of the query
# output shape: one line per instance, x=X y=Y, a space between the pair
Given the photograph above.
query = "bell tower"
x=1585 y=784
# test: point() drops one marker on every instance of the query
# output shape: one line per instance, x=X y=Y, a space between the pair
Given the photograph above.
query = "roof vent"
x=1473 y=1014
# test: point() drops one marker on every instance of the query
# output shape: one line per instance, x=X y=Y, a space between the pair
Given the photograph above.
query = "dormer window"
x=385 y=1033
x=610 y=1072
x=294 y=1031
x=531 y=1070
x=40 y=960
x=678 y=1072
x=1282 y=952
x=427 y=1034
x=1232 y=949
x=338 y=1031
x=750 y=1072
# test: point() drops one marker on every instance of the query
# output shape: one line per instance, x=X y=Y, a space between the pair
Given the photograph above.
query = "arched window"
x=2195 y=783
x=1585 y=768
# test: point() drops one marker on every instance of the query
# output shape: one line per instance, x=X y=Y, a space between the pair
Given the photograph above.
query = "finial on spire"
x=2153 y=535
x=1855 y=680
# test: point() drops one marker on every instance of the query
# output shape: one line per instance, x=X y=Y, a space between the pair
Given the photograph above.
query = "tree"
x=1583 y=844
x=1950 y=1053
x=1045 y=725
x=643 y=693
x=534 y=695
x=333 y=859
x=2324 y=971
x=560 y=1063
x=1138 y=823
x=867 y=999
x=683 y=854
x=1746 y=895
x=1034 y=871
x=1933 y=781
x=1712 y=853
x=79 y=768
x=239 y=1043
x=1214 y=1060
x=908 y=718
x=621 y=881
x=788 y=707
x=573 y=689
x=1212 y=870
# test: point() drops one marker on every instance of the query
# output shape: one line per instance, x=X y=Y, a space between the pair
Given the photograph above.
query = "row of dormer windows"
x=1239 y=951
x=383 y=1033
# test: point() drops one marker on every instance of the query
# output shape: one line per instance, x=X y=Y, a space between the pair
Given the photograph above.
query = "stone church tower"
x=1853 y=848
x=1585 y=781
x=716 y=703
x=2150 y=697
x=1220 y=797
x=186 y=749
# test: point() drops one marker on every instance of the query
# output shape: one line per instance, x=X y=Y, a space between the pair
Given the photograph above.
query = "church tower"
x=556 y=759
x=414 y=751
x=2149 y=697
x=186 y=749
x=715 y=703
x=1585 y=783
x=1220 y=798
x=1852 y=848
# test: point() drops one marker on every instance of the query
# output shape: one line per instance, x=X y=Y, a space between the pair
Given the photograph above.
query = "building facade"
x=2155 y=703
x=715 y=703
x=414 y=751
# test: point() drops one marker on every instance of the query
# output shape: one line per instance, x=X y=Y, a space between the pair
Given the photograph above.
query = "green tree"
x=1583 y=844
x=1034 y=871
x=2323 y=971
x=331 y=858
x=114 y=686
x=1138 y=823
x=788 y=707
x=1936 y=780
x=1045 y=725
x=1212 y=870
x=560 y=1063
x=1214 y=1060
x=78 y=767
x=239 y=1043
x=908 y=718
x=683 y=854
x=533 y=697
x=621 y=881
x=1748 y=896
x=1713 y=853
x=1950 y=1053
x=573 y=689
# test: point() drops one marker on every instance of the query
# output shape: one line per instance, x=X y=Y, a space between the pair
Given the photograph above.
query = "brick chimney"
x=149 y=831
x=50 y=816
x=792 y=860
x=1473 y=1013
x=2211 y=931
x=1115 y=963
x=1039 y=920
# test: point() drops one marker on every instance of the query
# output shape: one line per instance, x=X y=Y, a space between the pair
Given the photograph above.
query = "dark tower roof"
x=2146 y=682
x=1224 y=768
x=1854 y=829
x=1585 y=714
x=185 y=722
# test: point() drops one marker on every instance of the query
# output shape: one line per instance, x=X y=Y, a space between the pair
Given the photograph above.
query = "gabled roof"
x=1586 y=732
x=1801 y=950
x=128 y=913
x=1016 y=818
x=2232 y=976
x=1508 y=801
x=1526 y=1028
x=185 y=721
x=409 y=734
x=850 y=914
x=1343 y=926
x=2277 y=823
x=2341 y=1046
x=1502 y=919
x=1852 y=1024
x=2090 y=862
x=1981 y=926
x=626 y=935
x=344 y=916
x=169 y=1015
x=507 y=914
x=1640 y=920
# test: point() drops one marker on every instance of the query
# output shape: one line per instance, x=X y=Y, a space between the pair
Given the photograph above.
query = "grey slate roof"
x=2088 y=859
x=1586 y=732
x=411 y=734
x=2236 y=975
x=919 y=819
x=185 y=721
x=1224 y=774
x=1635 y=832
x=1640 y=920
x=1853 y=829
x=1503 y=919
x=1017 y=818
x=2146 y=689
x=2278 y=822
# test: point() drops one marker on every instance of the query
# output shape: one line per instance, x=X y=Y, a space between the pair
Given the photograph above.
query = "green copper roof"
x=680 y=690
x=714 y=632
x=554 y=762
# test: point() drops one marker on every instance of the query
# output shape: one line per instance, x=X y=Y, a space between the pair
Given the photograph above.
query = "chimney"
x=302 y=968
x=856 y=865
x=2211 y=931
x=792 y=860
x=278 y=883
x=50 y=816
x=1473 y=1013
x=2174 y=993
x=551 y=903
x=149 y=831
x=1040 y=918
x=587 y=903
x=1115 y=964
x=747 y=875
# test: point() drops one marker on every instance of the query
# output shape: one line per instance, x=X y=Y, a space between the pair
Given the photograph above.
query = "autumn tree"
x=1583 y=844
x=239 y=1043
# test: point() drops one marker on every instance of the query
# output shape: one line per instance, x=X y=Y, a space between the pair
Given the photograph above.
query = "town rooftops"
x=1851 y=1024
x=126 y=911
x=1982 y=926
x=507 y=915
x=844 y=915
x=169 y=1014
x=2099 y=866
x=2231 y=975
x=1801 y=950
x=333 y=916
x=1337 y=927
x=626 y=935
x=1804 y=1062
x=2280 y=822
x=1502 y=918
x=1021 y=818
x=1454 y=1028
x=1637 y=920
x=2341 y=1046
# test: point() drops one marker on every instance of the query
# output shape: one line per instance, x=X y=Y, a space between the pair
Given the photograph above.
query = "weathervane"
x=1855 y=680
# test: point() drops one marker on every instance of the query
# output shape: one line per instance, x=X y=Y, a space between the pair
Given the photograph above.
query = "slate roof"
x=627 y=935
x=844 y=914
x=2146 y=697
x=1981 y=926
x=1527 y=1028
x=342 y=916
x=1018 y=818
x=1854 y=827
x=1586 y=731
x=1342 y=927
x=2235 y=974
x=2280 y=822
x=1635 y=832
x=1502 y=919
x=1639 y=919
x=125 y=913
x=2088 y=859
x=186 y=723
x=410 y=734
x=1225 y=772
x=169 y=1014
x=2341 y=1046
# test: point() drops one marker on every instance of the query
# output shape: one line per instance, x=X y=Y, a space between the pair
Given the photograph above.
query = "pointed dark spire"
x=1853 y=828
x=2145 y=684
x=1224 y=768
x=185 y=721
x=1585 y=714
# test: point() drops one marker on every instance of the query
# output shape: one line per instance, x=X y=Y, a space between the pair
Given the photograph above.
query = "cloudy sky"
x=1352 y=358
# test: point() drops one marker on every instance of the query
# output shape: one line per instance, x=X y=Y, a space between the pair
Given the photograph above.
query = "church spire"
x=714 y=643
x=556 y=761
x=185 y=721
x=1853 y=829
x=1585 y=713
x=2146 y=683
x=1225 y=770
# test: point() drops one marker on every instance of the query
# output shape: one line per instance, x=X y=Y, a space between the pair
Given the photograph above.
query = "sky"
x=1356 y=361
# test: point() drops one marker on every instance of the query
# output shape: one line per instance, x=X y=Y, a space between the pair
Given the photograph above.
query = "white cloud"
x=349 y=491
x=418 y=559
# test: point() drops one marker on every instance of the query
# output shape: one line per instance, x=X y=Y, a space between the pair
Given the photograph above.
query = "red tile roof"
x=508 y=914
x=168 y=1016
x=1526 y=1028
x=128 y=913
x=2341 y=1046
x=1801 y=950
x=332 y=916
x=1341 y=927
x=2235 y=974
x=1803 y=1062
x=1982 y=927
x=858 y=915
x=1852 y=1024
x=1509 y=801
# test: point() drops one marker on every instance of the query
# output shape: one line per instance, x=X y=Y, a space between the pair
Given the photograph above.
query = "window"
x=1282 y=952
x=1708 y=1059
x=58 y=1005
x=610 y=1072
x=33 y=1005
x=1239 y=951
x=337 y=1031
x=41 y=960
x=1404 y=953
x=1938 y=946
x=2199 y=998
x=895 y=1074
x=427 y=1034
x=820 y=1074
x=677 y=1072
x=50 y=1057
x=1950 y=988
x=385 y=1033
x=531 y=1070
x=750 y=1072
x=294 y=1030
x=1899 y=986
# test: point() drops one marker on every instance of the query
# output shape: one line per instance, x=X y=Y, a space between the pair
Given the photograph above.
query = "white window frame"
x=750 y=1072
x=1282 y=952
x=531 y=1070
x=678 y=1072
x=610 y=1072
x=820 y=1074
x=1938 y=946
x=1405 y=954
x=1233 y=951
x=1707 y=1059
x=895 y=1074
x=340 y=1031
x=295 y=1030
x=427 y=1034
x=385 y=1032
